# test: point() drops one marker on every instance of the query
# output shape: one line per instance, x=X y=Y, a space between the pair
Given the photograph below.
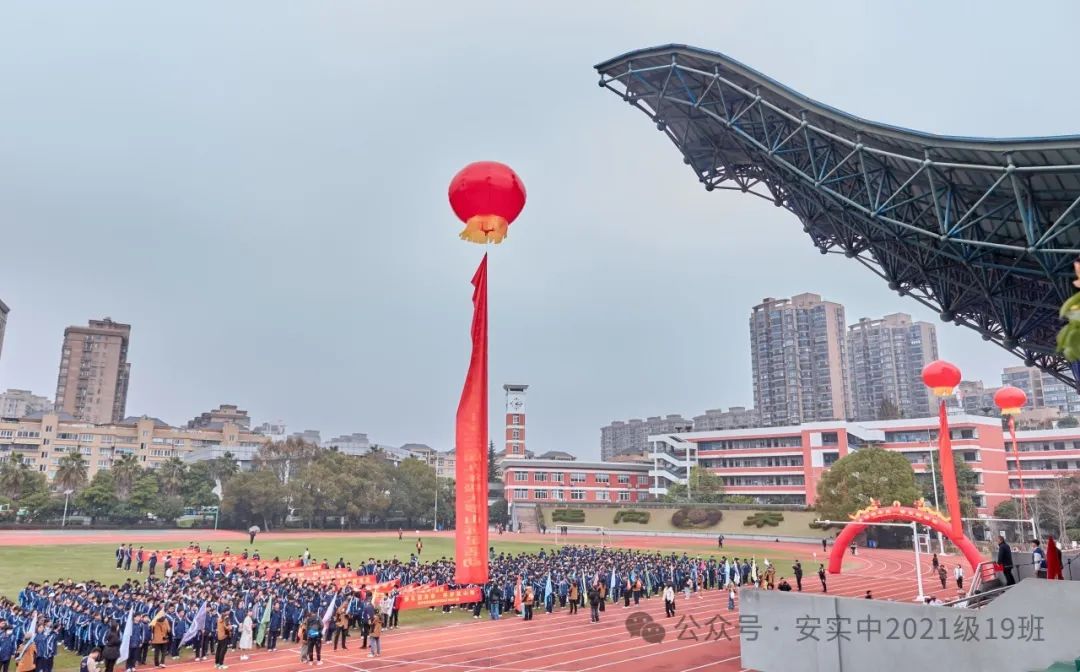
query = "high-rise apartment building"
x=885 y=362
x=799 y=359
x=632 y=436
x=736 y=417
x=21 y=403
x=1043 y=390
x=94 y=372
x=4 y=310
x=221 y=415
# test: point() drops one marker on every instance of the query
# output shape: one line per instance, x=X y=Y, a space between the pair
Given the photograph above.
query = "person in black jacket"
x=111 y=652
x=594 y=604
x=1005 y=559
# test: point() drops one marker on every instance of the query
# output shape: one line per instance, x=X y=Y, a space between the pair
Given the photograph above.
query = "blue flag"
x=29 y=633
x=125 y=640
x=198 y=624
x=547 y=589
x=611 y=584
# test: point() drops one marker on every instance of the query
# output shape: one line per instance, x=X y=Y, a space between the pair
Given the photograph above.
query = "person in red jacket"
x=398 y=600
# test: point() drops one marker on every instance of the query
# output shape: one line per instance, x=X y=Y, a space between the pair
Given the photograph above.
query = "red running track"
x=560 y=642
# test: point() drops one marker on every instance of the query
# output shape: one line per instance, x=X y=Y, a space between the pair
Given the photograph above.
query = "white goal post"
x=566 y=533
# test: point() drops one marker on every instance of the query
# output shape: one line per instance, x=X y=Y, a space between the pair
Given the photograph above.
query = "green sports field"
x=20 y=564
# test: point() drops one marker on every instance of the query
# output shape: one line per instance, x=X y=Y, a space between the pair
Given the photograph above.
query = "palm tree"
x=171 y=475
x=71 y=474
x=125 y=471
x=14 y=475
x=223 y=468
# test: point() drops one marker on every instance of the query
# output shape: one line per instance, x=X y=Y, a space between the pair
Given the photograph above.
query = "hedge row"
x=763 y=518
x=568 y=516
x=688 y=518
x=630 y=516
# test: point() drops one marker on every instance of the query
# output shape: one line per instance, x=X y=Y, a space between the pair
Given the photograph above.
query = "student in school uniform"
x=7 y=645
x=89 y=663
x=224 y=636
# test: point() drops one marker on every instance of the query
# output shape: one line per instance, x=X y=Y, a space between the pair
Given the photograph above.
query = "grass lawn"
x=81 y=562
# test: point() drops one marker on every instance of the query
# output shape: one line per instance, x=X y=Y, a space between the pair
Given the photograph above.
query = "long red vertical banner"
x=948 y=471
x=471 y=435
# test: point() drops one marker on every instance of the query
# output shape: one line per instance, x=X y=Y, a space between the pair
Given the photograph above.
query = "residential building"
x=632 y=436
x=349 y=444
x=41 y=439
x=782 y=465
x=219 y=416
x=20 y=403
x=885 y=362
x=736 y=417
x=311 y=436
x=799 y=360
x=547 y=481
x=1043 y=390
x=975 y=398
x=4 y=310
x=274 y=430
x=94 y=372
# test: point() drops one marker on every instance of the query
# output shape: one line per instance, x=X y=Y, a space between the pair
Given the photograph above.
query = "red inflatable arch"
x=920 y=513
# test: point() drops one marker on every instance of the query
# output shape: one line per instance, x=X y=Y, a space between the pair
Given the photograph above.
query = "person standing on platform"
x=731 y=598
x=1005 y=560
x=573 y=596
x=797 y=568
x=821 y=577
x=944 y=576
x=958 y=574
x=341 y=632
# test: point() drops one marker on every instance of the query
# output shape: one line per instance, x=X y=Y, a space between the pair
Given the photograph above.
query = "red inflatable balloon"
x=1010 y=400
x=941 y=377
x=488 y=196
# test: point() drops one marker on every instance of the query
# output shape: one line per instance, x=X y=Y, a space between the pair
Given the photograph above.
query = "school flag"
x=264 y=622
x=648 y=582
x=611 y=584
x=125 y=639
x=329 y=613
x=548 y=593
x=198 y=624
x=753 y=571
x=584 y=592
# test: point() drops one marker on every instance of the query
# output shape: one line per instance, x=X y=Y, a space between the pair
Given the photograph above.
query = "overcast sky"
x=259 y=189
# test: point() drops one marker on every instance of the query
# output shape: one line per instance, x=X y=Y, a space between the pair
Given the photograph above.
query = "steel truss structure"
x=982 y=230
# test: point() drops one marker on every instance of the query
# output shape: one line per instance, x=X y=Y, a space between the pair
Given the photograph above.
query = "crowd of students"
x=212 y=610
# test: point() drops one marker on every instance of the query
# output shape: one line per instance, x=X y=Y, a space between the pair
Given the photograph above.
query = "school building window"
x=602 y=496
x=521 y=476
x=521 y=493
x=624 y=496
x=624 y=479
x=601 y=478
x=557 y=494
x=540 y=477
x=515 y=419
x=88 y=438
x=577 y=477
x=515 y=434
x=577 y=494
x=557 y=477
x=541 y=494
x=642 y=480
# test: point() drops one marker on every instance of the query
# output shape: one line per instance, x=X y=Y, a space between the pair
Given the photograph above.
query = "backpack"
x=313 y=631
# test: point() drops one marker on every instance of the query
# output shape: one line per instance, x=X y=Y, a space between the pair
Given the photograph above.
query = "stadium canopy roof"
x=982 y=230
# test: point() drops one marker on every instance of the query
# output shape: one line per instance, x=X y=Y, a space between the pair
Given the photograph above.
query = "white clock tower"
x=515 y=420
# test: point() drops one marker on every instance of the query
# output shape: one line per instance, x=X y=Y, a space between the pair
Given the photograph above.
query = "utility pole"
x=933 y=476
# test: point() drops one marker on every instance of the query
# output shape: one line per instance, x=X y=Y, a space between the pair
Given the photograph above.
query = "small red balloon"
x=1010 y=399
x=488 y=196
x=941 y=376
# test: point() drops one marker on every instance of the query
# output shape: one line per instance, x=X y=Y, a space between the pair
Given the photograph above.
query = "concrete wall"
x=917 y=637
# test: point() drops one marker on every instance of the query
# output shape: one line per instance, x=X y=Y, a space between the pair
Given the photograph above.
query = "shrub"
x=568 y=516
x=692 y=518
x=631 y=516
x=763 y=518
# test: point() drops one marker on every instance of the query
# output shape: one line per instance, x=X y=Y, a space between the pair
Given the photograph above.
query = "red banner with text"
x=471 y=436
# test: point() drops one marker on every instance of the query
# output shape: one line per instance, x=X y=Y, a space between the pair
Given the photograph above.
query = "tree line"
x=290 y=482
